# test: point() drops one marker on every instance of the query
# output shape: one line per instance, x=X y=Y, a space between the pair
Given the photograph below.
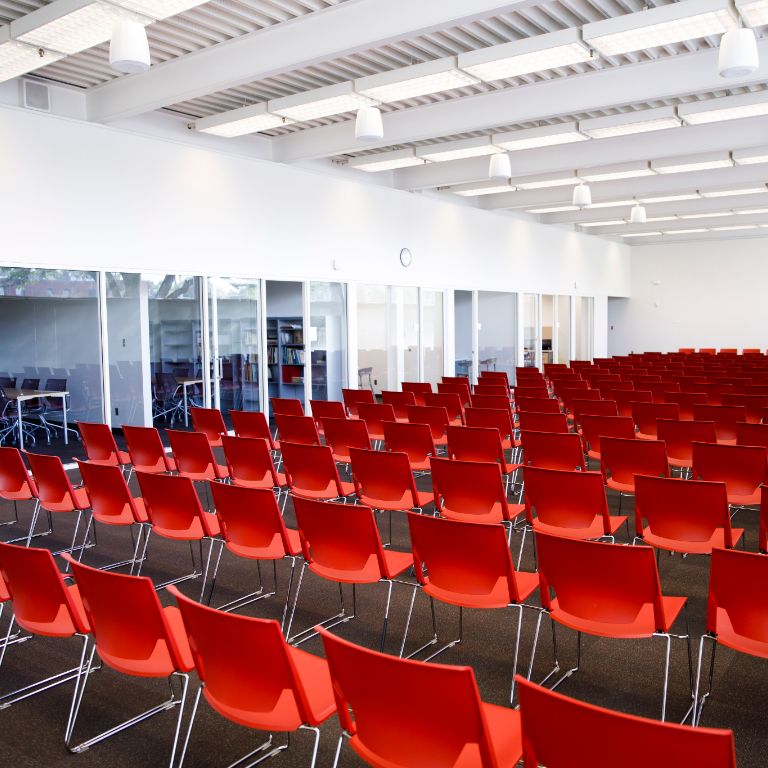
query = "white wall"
x=697 y=294
x=106 y=197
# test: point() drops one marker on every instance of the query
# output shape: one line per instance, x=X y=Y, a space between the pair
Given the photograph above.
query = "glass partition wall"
x=531 y=348
x=432 y=335
x=328 y=339
x=497 y=332
x=548 y=310
x=583 y=327
x=563 y=329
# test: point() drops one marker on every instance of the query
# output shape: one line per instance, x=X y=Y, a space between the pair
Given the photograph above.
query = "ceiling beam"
x=340 y=30
x=660 y=79
x=726 y=220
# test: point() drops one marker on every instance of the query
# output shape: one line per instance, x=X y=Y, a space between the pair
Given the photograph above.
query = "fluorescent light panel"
x=409 y=82
x=640 y=234
x=386 y=161
x=641 y=121
x=320 y=102
x=673 y=23
x=692 y=163
x=612 y=204
x=546 y=136
x=734 y=227
x=732 y=192
x=685 y=231
x=748 y=211
x=726 y=108
x=160 y=9
x=546 y=181
x=652 y=219
x=753 y=156
x=754 y=12
x=457 y=150
x=553 y=209
x=612 y=223
x=716 y=215
x=669 y=198
x=238 y=122
x=522 y=57
x=18 y=58
x=480 y=191
x=612 y=172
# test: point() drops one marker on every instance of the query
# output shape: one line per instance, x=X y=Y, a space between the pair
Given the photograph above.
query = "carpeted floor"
x=625 y=675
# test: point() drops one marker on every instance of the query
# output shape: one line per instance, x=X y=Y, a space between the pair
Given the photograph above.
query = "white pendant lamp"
x=637 y=214
x=738 y=53
x=500 y=167
x=129 y=48
x=582 y=196
x=368 y=125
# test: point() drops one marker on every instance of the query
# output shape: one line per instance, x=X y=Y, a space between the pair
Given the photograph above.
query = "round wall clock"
x=406 y=257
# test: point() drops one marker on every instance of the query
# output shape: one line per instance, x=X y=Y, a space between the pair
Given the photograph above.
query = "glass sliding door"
x=530 y=330
x=583 y=331
x=563 y=330
x=328 y=339
x=286 y=358
x=234 y=316
x=497 y=331
x=463 y=333
x=432 y=334
x=547 y=329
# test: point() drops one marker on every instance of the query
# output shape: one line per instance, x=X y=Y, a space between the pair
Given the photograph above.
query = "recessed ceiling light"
x=726 y=108
x=18 y=58
x=612 y=204
x=238 y=122
x=545 y=181
x=320 y=102
x=478 y=191
x=706 y=162
x=386 y=161
x=748 y=211
x=160 y=9
x=650 y=220
x=553 y=209
x=754 y=12
x=734 y=227
x=732 y=192
x=546 y=136
x=640 y=234
x=611 y=223
x=613 y=172
x=626 y=123
x=716 y=215
x=669 y=198
x=685 y=231
x=752 y=156
x=458 y=150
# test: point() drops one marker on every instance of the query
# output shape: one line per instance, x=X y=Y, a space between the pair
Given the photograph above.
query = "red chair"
x=43 y=605
x=572 y=396
x=253 y=424
x=626 y=398
x=451 y=402
x=552 y=450
x=341 y=543
x=133 y=635
x=113 y=504
x=326 y=409
x=495 y=377
x=472 y=491
x=690 y=516
x=621 y=460
x=286 y=406
x=146 y=450
x=583 y=408
x=297 y=429
x=686 y=401
x=480 y=444
x=375 y=415
x=56 y=495
x=606 y=590
x=175 y=513
x=753 y=403
x=210 y=422
x=591 y=735
x=763 y=533
x=250 y=465
x=414 y=440
x=725 y=417
x=493 y=418
x=742 y=468
x=456 y=728
x=466 y=564
x=594 y=428
x=252 y=527
x=400 y=402
x=537 y=404
x=353 y=397
x=252 y=677
x=538 y=392
x=462 y=390
x=15 y=483
x=496 y=390
x=418 y=389
x=679 y=436
x=435 y=416
x=343 y=434
x=645 y=416
x=659 y=391
x=194 y=456
x=752 y=434
x=311 y=472
x=737 y=608
x=490 y=401
x=100 y=446
x=531 y=421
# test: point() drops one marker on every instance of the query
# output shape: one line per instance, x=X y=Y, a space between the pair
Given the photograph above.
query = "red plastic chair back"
x=54 y=489
x=689 y=512
x=435 y=416
x=132 y=630
x=99 y=443
x=369 y=689
x=400 y=402
x=583 y=408
x=743 y=468
x=537 y=404
x=500 y=419
x=343 y=434
x=287 y=406
x=753 y=403
x=596 y=427
x=297 y=429
x=552 y=450
x=536 y=392
x=15 y=483
x=659 y=391
x=571 y=501
x=725 y=417
x=252 y=424
x=646 y=414
x=146 y=449
x=531 y=421
x=110 y=499
x=495 y=390
x=353 y=397
x=748 y=434
x=626 y=397
x=210 y=422
x=375 y=415
x=591 y=735
x=311 y=471
x=415 y=440
x=686 y=401
x=469 y=490
x=490 y=401
x=249 y=462
x=383 y=479
x=494 y=377
x=194 y=456
x=326 y=409
x=462 y=390
x=42 y=602
x=571 y=396
x=621 y=460
x=448 y=400
x=476 y=444
x=418 y=389
x=679 y=435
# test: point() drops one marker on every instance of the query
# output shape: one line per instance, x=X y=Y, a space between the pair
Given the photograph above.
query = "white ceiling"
x=228 y=54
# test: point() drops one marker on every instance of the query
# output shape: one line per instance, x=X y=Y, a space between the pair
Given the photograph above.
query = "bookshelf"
x=285 y=356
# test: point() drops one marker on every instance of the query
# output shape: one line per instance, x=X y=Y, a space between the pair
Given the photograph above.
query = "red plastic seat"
x=531 y=421
x=683 y=516
x=15 y=483
x=252 y=527
x=375 y=415
x=352 y=397
x=414 y=440
x=194 y=456
x=659 y=391
x=210 y=422
x=461 y=388
x=455 y=727
x=495 y=377
x=493 y=418
x=725 y=417
x=572 y=396
x=384 y=481
x=645 y=416
x=343 y=434
x=591 y=735
x=594 y=428
x=626 y=398
x=249 y=463
x=297 y=429
x=753 y=403
x=252 y=677
x=253 y=424
x=146 y=450
x=497 y=402
x=479 y=444
x=341 y=543
x=686 y=401
x=466 y=564
x=497 y=390
x=552 y=450
x=326 y=409
x=743 y=469
x=737 y=609
x=435 y=416
x=400 y=402
x=752 y=434
x=450 y=401
x=583 y=408
x=679 y=436
x=471 y=491
x=607 y=590
x=621 y=460
x=537 y=404
x=311 y=472
x=418 y=389
x=100 y=446
x=287 y=406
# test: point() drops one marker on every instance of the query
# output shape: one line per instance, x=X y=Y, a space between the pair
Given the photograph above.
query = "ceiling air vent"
x=36 y=96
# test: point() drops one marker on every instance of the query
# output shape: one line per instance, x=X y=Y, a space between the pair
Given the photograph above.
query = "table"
x=20 y=395
x=185 y=382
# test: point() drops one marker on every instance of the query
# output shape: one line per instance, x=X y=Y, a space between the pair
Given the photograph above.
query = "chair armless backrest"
x=15 y=482
x=98 y=441
x=146 y=449
x=193 y=452
x=622 y=459
x=249 y=461
x=251 y=424
x=107 y=491
x=383 y=475
x=468 y=487
x=53 y=485
x=209 y=421
x=172 y=502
